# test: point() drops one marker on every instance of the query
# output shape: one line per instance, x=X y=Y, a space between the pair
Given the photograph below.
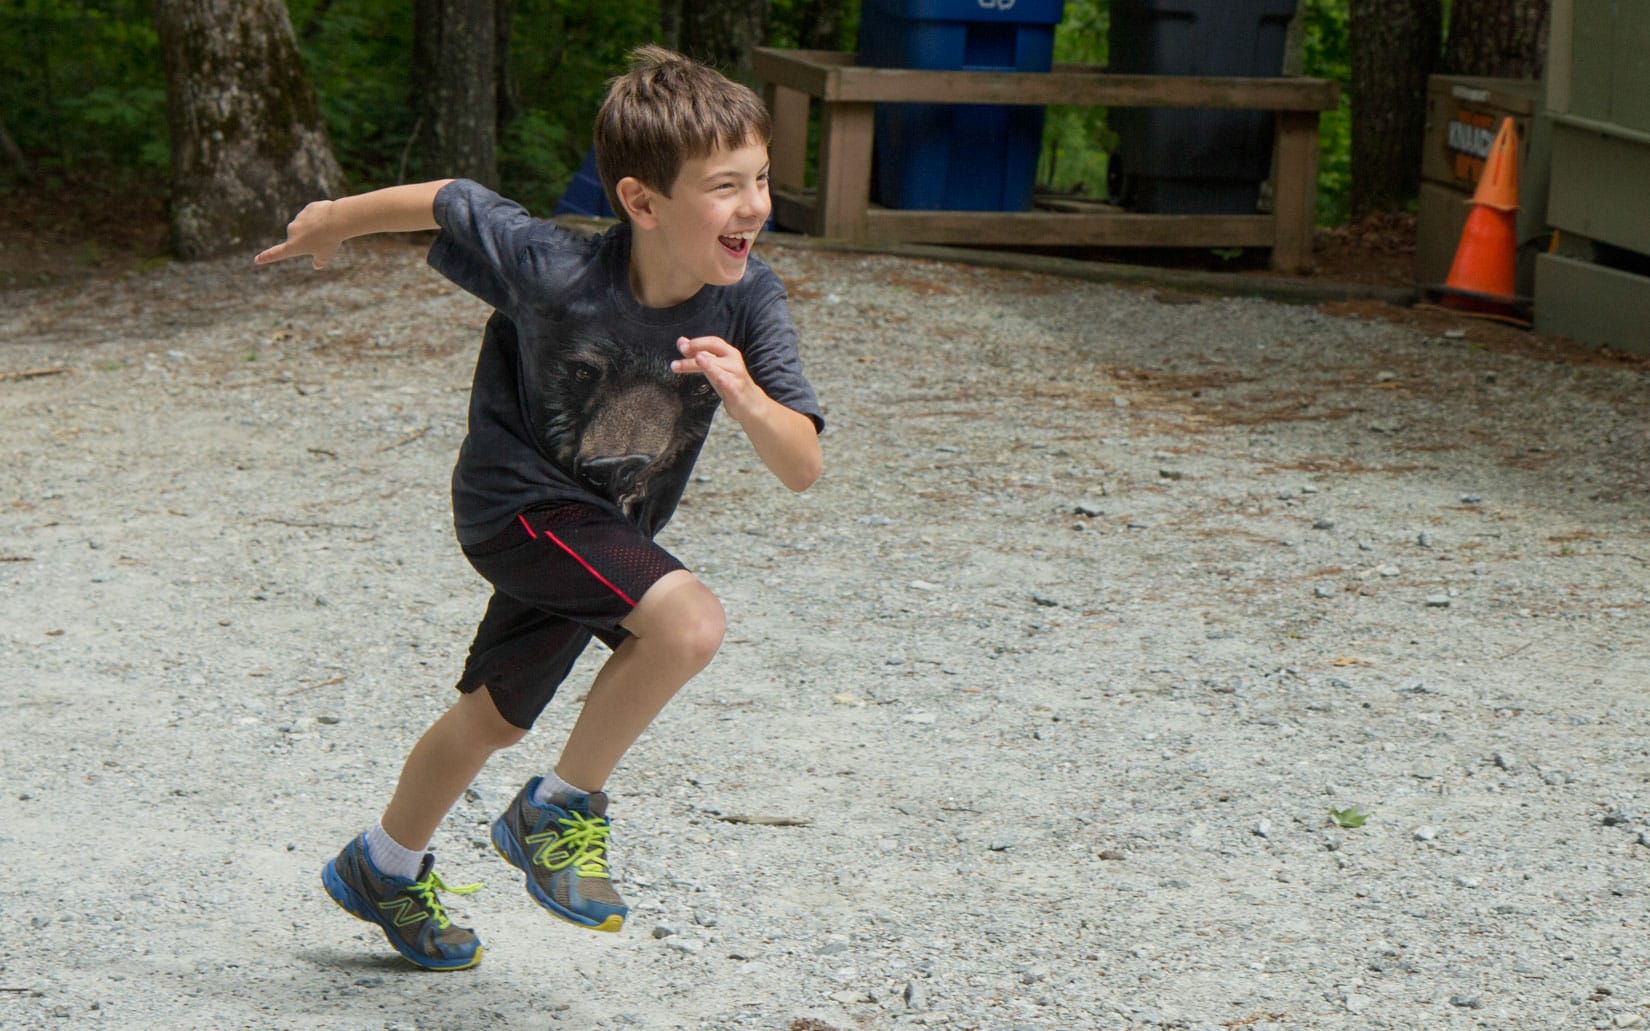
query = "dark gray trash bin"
x=1191 y=160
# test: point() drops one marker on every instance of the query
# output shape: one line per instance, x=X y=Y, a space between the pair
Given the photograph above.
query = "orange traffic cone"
x=1482 y=278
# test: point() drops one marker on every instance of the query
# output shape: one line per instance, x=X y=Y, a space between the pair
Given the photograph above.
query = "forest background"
x=87 y=116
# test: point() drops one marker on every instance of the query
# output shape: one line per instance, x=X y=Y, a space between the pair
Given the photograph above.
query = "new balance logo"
x=403 y=910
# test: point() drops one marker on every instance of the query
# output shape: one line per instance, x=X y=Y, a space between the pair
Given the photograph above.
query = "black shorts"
x=560 y=576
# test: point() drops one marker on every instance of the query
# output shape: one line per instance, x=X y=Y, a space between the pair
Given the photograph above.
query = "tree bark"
x=455 y=74
x=249 y=147
x=1499 y=38
x=722 y=33
x=1394 y=46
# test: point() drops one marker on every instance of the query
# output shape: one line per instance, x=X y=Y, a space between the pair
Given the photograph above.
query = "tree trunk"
x=1394 y=47
x=721 y=33
x=248 y=144
x=1500 y=38
x=455 y=74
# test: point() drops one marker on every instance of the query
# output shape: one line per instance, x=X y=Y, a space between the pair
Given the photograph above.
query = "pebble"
x=915 y=998
x=1089 y=509
x=1325 y=590
x=1471 y=1002
x=1425 y=833
x=1262 y=829
x=1438 y=601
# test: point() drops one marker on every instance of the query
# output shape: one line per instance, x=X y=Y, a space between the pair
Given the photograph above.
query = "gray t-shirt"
x=573 y=397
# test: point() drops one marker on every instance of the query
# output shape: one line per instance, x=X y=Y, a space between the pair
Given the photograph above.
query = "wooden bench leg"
x=1295 y=193
x=844 y=170
x=789 y=150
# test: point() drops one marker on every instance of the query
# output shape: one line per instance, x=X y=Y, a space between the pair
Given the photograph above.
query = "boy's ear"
x=637 y=201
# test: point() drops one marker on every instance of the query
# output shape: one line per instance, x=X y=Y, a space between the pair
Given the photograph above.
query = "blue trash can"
x=1189 y=160
x=957 y=157
x=584 y=195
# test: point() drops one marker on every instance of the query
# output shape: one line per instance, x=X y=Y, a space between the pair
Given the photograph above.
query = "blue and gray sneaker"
x=409 y=912
x=562 y=849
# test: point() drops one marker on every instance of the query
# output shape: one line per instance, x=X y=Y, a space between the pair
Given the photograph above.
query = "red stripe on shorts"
x=609 y=584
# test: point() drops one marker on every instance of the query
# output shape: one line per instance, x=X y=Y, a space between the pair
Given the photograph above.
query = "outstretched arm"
x=785 y=439
x=323 y=225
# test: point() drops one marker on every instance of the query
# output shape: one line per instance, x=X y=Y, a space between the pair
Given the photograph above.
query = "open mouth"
x=738 y=244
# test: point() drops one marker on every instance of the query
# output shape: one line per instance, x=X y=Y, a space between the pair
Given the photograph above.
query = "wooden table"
x=840 y=204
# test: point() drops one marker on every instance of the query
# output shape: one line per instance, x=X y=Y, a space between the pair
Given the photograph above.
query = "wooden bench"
x=840 y=204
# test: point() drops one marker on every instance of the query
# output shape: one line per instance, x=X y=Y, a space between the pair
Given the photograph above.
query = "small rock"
x=1262 y=828
x=1438 y=601
x=1621 y=815
x=1471 y=1002
x=1171 y=474
x=663 y=931
x=1325 y=590
x=1424 y=540
x=1387 y=570
x=1505 y=762
x=1089 y=509
x=1425 y=833
x=1111 y=855
x=1627 y=1020
x=915 y=998
x=1323 y=524
x=1470 y=499
x=690 y=946
x=1045 y=601
x=923 y=585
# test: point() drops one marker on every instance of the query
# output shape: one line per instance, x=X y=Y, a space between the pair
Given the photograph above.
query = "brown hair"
x=666 y=110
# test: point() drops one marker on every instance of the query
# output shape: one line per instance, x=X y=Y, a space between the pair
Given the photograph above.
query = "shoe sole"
x=351 y=902
x=504 y=843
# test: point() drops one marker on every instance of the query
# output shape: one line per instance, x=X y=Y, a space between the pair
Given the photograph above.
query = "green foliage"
x=1076 y=140
x=359 y=56
x=1326 y=55
x=562 y=55
x=82 y=90
x=1349 y=818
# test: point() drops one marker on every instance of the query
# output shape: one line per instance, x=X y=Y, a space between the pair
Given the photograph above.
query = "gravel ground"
x=1033 y=712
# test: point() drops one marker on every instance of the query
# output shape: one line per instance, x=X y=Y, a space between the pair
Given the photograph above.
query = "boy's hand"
x=311 y=233
x=724 y=367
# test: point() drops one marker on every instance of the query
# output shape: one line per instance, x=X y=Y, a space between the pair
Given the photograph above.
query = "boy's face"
x=715 y=209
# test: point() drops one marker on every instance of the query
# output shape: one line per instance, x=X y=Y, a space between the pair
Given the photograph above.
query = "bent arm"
x=786 y=441
x=322 y=226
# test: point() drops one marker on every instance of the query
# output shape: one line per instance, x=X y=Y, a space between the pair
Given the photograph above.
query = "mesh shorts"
x=560 y=576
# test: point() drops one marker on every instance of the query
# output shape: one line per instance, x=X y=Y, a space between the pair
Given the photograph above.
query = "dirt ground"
x=1143 y=660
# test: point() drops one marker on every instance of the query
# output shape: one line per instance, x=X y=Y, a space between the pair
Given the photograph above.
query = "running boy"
x=599 y=372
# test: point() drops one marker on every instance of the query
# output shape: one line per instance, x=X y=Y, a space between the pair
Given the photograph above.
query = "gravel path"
x=1033 y=712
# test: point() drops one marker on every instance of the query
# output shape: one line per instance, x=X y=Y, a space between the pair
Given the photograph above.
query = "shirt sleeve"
x=772 y=355
x=485 y=243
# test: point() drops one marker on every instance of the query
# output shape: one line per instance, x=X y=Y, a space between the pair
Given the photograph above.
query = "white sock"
x=390 y=856
x=549 y=785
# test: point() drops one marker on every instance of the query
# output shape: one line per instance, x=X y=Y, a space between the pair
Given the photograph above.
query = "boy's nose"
x=755 y=201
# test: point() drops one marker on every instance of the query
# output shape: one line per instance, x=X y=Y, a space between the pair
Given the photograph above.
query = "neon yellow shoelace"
x=426 y=889
x=582 y=845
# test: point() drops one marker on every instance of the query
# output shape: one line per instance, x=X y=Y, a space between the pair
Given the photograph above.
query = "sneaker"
x=409 y=912
x=562 y=848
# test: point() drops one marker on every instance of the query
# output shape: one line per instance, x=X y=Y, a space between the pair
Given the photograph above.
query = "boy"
x=599 y=373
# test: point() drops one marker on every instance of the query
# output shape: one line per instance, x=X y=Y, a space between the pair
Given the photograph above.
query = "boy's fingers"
x=699 y=345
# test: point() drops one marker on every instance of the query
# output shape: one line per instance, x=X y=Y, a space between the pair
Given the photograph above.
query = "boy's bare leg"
x=675 y=629
x=443 y=763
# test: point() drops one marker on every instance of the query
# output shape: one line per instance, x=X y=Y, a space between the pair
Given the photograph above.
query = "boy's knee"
x=485 y=726
x=702 y=632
